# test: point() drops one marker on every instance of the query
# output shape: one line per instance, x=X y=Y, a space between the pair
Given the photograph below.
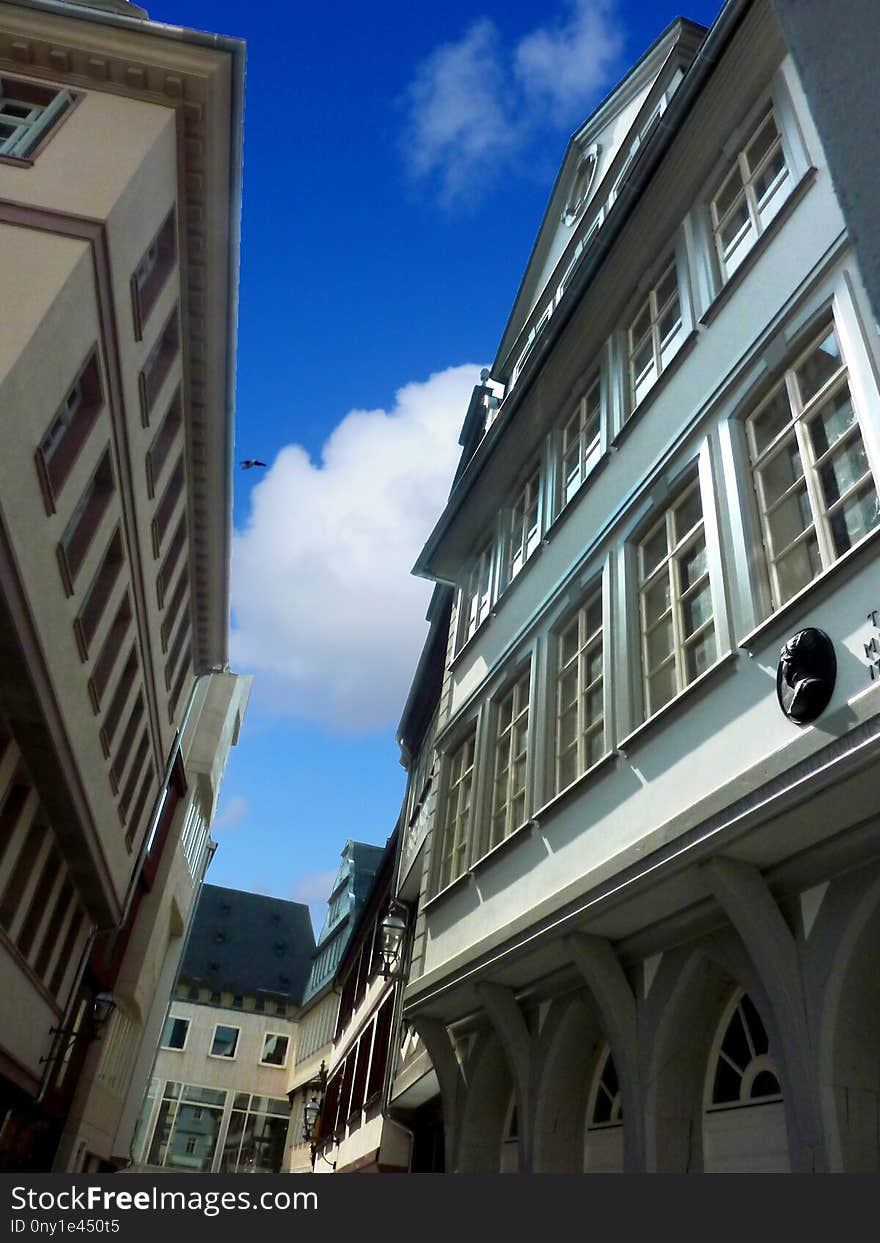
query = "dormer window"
x=583 y=183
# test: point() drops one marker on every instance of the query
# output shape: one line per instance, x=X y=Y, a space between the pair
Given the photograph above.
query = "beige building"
x=120 y=159
x=217 y=1099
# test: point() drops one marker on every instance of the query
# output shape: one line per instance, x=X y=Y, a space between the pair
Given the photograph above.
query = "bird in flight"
x=251 y=461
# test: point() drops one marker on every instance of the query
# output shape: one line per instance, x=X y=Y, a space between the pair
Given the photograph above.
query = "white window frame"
x=459 y=772
x=278 y=1036
x=226 y=1057
x=173 y=1048
x=678 y=545
x=589 y=448
x=477 y=593
x=518 y=692
x=521 y=534
x=846 y=376
x=657 y=305
x=590 y=639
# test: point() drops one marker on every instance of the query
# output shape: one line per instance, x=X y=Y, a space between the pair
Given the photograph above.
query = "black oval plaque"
x=805 y=676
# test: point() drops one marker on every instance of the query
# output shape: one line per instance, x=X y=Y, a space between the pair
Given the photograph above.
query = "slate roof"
x=245 y=941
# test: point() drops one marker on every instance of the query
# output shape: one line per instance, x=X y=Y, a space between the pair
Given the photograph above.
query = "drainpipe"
x=149 y=836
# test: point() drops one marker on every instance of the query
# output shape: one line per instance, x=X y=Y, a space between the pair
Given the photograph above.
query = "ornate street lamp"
x=392 y=931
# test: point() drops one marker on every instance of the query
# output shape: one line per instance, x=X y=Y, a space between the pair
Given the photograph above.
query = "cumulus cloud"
x=324 y=605
x=232 y=813
x=475 y=106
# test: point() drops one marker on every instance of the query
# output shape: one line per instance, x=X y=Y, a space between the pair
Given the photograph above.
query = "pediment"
x=585 y=186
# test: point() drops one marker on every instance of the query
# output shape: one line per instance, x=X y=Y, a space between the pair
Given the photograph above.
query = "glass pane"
x=818 y=367
x=688 y=513
x=782 y=471
x=764 y=1083
x=661 y=688
x=735 y=1043
x=726 y=1087
x=843 y=469
x=595 y=747
x=797 y=568
x=594 y=665
x=789 y=519
x=567 y=770
x=568 y=643
x=240 y=1128
x=757 y=1031
x=770 y=177
x=659 y=643
x=667 y=288
x=734 y=227
x=641 y=325
x=833 y=421
x=275 y=1050
x=670 y=322
x=593 y=706
x=692 y=565
x=700 y=655
x=161 y=1133
x=643 y=361
x=505 y=714
x=762 y=142
x=567 y=728
x=728 y=194
x=657 y=600
x=854 y=519
x=771 y=419
x=697 y=609
x=194 y=1139
x=653 y=550
x=594 y=616
x=225 y=1040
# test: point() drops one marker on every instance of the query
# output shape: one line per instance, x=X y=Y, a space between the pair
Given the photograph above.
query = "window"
x=511 y=755
x=69 y=429
x=744 y=1070
x=581 y=442
x=152 y=272
x=256 y=1135
x=90 y=509
x=476 y=596
x=606 y=1107
x=523 y=526
x=187 y=1127
x=225 y=1041
x=816 y=494
x=750 y=195
x=174 y=1033
x=530 y=343
x=100 y=590
x=678 y=635
x=580 y=695
x=583 y=183
x=458 y=807
x=655 y=334
x=274 y=1050
x=28 y=112
x=157 y=365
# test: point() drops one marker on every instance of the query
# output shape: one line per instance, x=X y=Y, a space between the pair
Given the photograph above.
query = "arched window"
x=606 y=1108
x=744 y=1073
x=510 y=1140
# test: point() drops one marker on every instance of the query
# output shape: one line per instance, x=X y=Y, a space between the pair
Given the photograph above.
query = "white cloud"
x=313 y=888
x=475 y=106
x=325 y=610
x=232 y=813
x=568 y=60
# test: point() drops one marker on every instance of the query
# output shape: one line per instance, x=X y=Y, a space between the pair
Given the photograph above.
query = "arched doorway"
x=603 y=1139
x=744 y=1127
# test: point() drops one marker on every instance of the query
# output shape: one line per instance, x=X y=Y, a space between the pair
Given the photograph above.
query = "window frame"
x=55 y=106
x=226 y=1057
x=663 y=516
x=849 y=375
x=475 y=606
x=522 y=706
x=663 y=350
x=285 y=1036
x=589 y=455
x=594 y=592
x=527 y=495
x=468 y=735
x=173 y=1048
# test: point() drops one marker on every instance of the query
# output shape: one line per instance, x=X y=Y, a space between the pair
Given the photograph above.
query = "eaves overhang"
x=469 y=507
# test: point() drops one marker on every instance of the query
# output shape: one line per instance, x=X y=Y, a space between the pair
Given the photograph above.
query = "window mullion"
x=820 y=520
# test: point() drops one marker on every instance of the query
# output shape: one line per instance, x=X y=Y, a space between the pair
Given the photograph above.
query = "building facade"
x=217 y=1099
x=644 y=884
x=120 y=161
x=348 y=896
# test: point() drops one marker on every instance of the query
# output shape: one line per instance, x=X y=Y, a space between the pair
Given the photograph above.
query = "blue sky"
x=398 y=160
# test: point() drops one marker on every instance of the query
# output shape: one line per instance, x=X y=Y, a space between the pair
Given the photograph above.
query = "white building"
x=648 y=897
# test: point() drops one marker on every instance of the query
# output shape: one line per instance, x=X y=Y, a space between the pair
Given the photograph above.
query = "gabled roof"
x=676 y=45
x=245 y=942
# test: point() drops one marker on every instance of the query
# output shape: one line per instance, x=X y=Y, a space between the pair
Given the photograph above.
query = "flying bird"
x=251 y=461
